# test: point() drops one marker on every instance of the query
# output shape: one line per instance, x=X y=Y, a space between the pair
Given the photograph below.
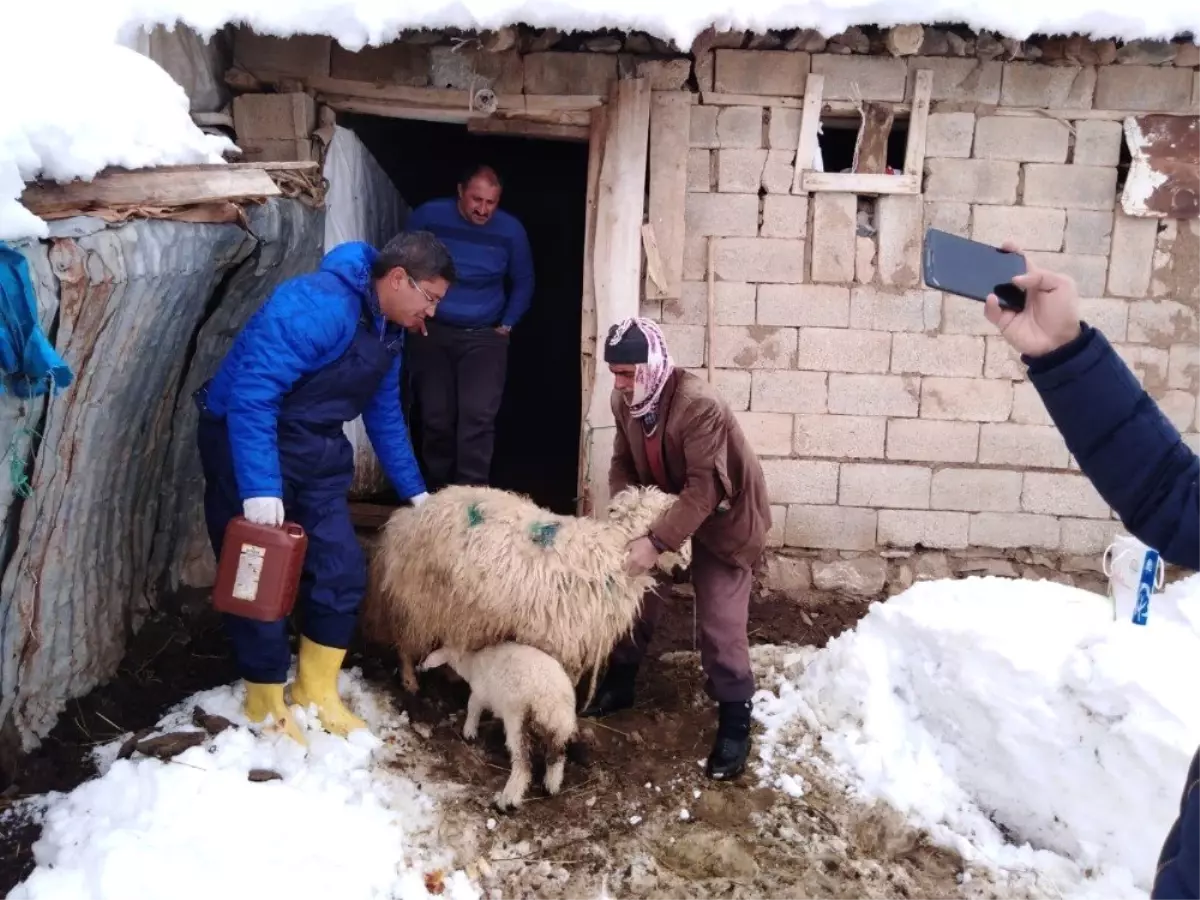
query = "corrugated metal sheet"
x=1164 y=176
x=88 y=552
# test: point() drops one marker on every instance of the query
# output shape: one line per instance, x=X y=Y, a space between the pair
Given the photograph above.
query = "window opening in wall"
x=841 y=136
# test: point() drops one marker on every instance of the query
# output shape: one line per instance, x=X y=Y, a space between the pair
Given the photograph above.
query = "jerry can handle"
x=293 y=529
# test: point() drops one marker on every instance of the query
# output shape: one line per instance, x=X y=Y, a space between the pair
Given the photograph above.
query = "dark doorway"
x=545 y=187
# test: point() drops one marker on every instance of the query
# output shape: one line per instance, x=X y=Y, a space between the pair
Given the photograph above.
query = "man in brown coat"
x=674 y=431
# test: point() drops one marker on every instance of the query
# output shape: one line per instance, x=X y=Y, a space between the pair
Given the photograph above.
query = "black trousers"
x=458 y=381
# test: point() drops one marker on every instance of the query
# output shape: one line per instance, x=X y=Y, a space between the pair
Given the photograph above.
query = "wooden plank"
x=1065 y=115
x=449 y=98
x=528 y=128
x=870 y=151
x=828 y=107
x=710 y=349
x=393 y=110
x=810 y=118
x=370 y=515
x=150 y=187
x=588 y=337
x=918 y=124
x=655 y=277
x=670 y=126
x=854 y=183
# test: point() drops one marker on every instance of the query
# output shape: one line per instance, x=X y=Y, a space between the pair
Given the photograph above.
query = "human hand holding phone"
x=1050 y=317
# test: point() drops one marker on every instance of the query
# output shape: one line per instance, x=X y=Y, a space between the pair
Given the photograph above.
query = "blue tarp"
x=29 y=365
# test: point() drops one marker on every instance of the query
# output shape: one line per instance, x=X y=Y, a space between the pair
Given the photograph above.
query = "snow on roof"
x=86 y=102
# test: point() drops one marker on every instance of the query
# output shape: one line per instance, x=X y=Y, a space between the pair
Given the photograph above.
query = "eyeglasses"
x=433 y=301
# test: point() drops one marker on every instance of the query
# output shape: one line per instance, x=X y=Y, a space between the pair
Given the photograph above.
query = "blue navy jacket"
x=1124 y=444
x=308 y=322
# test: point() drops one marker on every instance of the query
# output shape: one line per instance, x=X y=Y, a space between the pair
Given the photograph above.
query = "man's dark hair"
x=419 y=253
x=481 y=170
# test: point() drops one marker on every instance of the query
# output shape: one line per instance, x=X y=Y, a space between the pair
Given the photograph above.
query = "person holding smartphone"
x=1135 y=458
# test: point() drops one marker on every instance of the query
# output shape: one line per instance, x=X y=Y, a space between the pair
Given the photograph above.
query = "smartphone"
x=970 y=269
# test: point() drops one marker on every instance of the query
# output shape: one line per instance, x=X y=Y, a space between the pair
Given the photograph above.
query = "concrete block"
x=1090 y=272
x=880 y=485
x=961 y=315
x=1022 y=446
x=931 y=530
x=1013 y=530
x=777 y=73
x=1149 y=365
x=1088 y=232
x=762 y=260
x=720 y=215
x=298 y=56
x=1180 y=409
x=972 y=181
x=1022 y=139
x=1002 y=361
x=732 y=384
x=950 y=135
x=953 y=218
x=864 y=260
x=1160 y=322
x=734 y=301
x=1097 y=143
x=901 y=223
x=834 y=232
x=1059 y=494
x=769 y=434
x=665 y=74
x=783 y=128
x=966 y=399
x=1070 y=187
x=1144 y=88
x=396 y=63
x=1131 y=262
x=1087 y=537
x=976 y=490
x=1047 y=87
x=879 y=310
x=1030 y=227
x=1110 y=315
x=754 y=347
x=466 y=69
x=924 y=440
x=699 y=171
x=812 y=305
x=787 y=391
x=830 y=527
x=843 y=350
x=1184 y=368
x=943 y=354
x=874 y=395
x=283 y=117
x=277 y=151
x=853 y=77
x=801 y=480
x=686 y=343
x=778 y=526
x=965 y=80
x=784 y=216
x=740 y=127
x=569 y=73
x=702 y=131
x=840 y=437
x=740 y=171
x=777 y=174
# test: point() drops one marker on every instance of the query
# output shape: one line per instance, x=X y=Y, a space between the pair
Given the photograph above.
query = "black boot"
x=732 y=746
x=615 y=692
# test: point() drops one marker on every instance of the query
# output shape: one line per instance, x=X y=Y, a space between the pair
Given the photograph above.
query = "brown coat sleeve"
x=621 y=471
x=704 y=443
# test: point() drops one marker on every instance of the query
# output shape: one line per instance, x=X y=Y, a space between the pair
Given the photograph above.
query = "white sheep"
x=526 y=689
x=476 y=566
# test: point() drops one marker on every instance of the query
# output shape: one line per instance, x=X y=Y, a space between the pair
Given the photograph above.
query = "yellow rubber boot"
x=316 y=682
x=267 y=699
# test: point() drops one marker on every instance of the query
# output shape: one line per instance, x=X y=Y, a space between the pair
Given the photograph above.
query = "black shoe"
x=614 y=694
x=732 y=746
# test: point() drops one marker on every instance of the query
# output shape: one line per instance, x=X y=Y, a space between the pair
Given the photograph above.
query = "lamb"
x=475 y=566
x=524 y=687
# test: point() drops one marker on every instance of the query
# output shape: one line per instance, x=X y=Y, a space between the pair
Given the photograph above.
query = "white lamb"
x=525 y=688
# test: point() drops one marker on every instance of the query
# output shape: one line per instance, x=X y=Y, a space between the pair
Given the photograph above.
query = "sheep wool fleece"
x=316 y=466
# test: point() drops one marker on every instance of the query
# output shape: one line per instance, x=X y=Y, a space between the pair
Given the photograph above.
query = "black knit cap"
x=631 y=350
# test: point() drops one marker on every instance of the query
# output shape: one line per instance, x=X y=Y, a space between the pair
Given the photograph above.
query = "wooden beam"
x=448 y=98
x=854 y=183
x=871 y=149
x=151 y=187
x=655 y=277
x=670 y=117
x=810 y=119
x=918 y=124
x=711 y=331
x=527 y=128
x=588 y=337
x=828 y=107
x=370 y=515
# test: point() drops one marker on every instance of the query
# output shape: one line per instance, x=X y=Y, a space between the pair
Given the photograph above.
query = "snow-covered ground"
x=987 y=702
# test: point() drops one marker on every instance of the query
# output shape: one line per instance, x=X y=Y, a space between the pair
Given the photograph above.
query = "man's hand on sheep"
x=642 y=555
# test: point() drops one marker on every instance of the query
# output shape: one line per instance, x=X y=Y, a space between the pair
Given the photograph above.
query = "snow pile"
x=966 y=704
x=339 y=823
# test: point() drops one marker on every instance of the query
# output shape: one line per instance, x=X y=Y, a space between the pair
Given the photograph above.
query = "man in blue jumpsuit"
x=323 y=350
x=1136 y=460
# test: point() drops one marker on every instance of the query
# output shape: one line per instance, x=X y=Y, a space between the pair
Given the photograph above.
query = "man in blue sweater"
x=459 y=360
x=1136 y=460
x=324 y=349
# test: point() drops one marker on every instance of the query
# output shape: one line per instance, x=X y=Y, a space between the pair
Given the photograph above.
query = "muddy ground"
x=619 y=823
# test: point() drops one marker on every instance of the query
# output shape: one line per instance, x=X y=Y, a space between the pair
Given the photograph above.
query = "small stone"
x=1146 y=53
x=995 y=568
x=638 y=42
x=807 y=40
x=168 y=746
x=543 y=40
x=605 y=43
x=1187 y=55
x=786 y=575
x=132 y=742
x=666 y=48
x=260 y=775
x=935 y=43
x=1013 y=49
x=932 y=566
x=212 y=724
x=959 y=46
x=767 y=41
x=499 y=41
x=854 y=39
x=988 y=46
x=861 y=577
x=905 y=40
x=902 y=580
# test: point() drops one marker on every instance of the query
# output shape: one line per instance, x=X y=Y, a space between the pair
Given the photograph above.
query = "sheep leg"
x=556 y=761
x=408 y=674
x=518 y=752
x=474 y=711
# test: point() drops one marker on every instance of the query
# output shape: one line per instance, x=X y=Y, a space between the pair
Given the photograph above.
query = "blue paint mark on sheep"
x=474 y=516
x=544 y=533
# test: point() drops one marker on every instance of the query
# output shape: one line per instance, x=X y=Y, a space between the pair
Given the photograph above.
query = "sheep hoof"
x=469 y=734
x=504 y=804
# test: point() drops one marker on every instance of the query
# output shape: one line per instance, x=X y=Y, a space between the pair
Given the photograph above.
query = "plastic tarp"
x=198 y=65
x=361 y=204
